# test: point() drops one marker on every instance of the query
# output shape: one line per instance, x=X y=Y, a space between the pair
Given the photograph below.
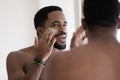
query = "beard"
x=57 y=45
x=60 y=47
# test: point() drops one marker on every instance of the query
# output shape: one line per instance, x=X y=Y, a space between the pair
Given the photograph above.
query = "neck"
x=102 y=34
x=55 y=50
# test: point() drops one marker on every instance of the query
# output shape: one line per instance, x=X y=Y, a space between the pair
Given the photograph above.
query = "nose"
x=62 y=28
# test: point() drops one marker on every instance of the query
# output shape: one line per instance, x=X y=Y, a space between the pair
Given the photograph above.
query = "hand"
x=78 y=38
x=44 y=45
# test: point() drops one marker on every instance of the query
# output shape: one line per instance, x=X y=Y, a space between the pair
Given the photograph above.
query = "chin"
x=60 y=46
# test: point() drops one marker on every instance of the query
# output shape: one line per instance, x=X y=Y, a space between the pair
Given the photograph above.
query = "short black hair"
x=101 y=12
x=42 y=15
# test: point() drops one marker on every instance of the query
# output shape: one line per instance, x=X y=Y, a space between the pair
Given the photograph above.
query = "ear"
x=84 y=24
x=85 y=27
x=118 y=23
x=40 y=30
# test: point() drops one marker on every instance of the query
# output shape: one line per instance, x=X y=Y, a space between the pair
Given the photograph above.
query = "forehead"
x=56 y=16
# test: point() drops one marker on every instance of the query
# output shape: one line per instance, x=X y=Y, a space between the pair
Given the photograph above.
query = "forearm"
x=34 y=73
x=43 y=48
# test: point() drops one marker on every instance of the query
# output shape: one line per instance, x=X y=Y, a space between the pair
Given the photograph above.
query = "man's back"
x=99 y=59
x=96 y=61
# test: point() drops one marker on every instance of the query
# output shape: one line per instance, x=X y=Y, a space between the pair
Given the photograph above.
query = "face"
x=57 y=21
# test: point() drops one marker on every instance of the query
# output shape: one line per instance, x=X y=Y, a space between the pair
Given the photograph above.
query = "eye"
x=64 y=25
x=55 y=25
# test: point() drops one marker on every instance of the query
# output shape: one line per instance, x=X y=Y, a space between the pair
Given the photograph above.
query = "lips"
x=62 y=38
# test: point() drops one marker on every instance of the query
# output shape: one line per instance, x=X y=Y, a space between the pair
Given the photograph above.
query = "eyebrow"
x=58 y=22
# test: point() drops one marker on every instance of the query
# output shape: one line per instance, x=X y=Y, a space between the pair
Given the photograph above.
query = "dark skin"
x=98 y=60
x=23 y=68
x=20 y=63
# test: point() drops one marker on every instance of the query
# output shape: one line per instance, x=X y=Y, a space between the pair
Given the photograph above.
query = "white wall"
x=118 y=35
x=16 y=28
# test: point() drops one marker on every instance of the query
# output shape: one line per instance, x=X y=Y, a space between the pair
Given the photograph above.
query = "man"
x=28 y=63
x=100 y=58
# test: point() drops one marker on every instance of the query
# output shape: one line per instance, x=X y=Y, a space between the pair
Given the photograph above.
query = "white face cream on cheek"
x=52 y=30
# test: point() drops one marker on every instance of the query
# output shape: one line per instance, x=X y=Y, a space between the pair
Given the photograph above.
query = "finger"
x=83 y=38
x=51 y=35
x=43 y=39
x=52 y=41
x=79 y=30
x=73 y=37
x=78 y=33
x=45 y=35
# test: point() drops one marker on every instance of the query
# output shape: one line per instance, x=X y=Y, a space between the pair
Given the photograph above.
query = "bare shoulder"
x=14 y=58
x=14 y=65
x=19 y=56
x=16 y=61
x=14 y=54
x=60 y=57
